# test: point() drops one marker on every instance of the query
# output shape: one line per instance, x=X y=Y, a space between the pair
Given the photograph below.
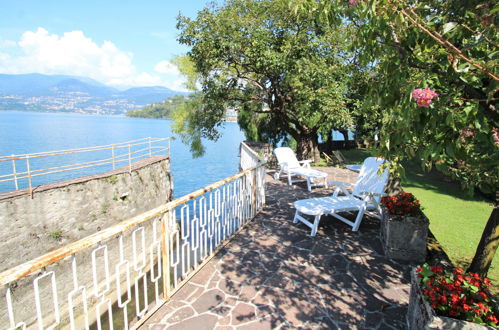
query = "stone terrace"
x=274 y=275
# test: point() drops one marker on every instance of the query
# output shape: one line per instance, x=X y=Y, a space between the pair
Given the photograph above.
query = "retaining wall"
x=64 y=212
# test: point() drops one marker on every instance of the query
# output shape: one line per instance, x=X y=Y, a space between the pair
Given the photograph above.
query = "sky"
x=121 y=43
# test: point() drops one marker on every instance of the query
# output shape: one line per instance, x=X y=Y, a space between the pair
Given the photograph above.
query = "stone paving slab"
x=274 y=275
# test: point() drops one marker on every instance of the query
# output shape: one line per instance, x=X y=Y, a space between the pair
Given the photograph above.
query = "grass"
x=56 y=234
x=456 y=219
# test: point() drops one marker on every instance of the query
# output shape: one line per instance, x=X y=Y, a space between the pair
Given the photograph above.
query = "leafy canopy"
x=285 y=75
x=448 y=46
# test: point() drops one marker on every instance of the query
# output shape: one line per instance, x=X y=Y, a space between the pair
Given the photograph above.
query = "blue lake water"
x=31 y=132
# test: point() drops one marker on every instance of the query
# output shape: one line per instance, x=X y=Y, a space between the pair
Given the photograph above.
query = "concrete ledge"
x=59 y=184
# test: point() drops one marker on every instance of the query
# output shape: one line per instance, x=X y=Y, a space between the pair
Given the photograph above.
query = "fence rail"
x=249 y=158
x=125 y=152
x=127 y=271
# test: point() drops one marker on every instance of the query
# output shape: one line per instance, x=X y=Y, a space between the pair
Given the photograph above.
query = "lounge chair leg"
x=309 y=184
x=358 y=219
x=295 y=219
x=290 y=182
x=317 y=219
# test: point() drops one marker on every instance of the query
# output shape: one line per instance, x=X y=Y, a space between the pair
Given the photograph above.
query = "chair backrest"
x=286 y=155
x=369 y=179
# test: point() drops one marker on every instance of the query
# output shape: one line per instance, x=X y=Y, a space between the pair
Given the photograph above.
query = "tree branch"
x=446 y=44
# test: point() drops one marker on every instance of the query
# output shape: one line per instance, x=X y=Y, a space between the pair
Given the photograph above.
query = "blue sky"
x=121 y=43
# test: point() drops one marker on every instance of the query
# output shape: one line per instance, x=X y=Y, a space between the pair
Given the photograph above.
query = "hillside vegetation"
x=160 y=110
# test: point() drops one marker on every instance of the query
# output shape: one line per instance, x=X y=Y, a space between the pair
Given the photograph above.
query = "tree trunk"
x=308 y=147
x=330 y=142
x=487 y=247
x=345 y=138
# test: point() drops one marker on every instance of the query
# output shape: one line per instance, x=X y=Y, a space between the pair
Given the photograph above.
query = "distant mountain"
x=39 y=92
x=148 y=95
x=33 y=82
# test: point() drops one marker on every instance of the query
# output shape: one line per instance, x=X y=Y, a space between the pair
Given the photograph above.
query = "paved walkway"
x=273 y=275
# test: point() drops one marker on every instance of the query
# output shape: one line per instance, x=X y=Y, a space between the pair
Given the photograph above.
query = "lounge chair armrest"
x=305 y=162
x=341 y=187
x=283 y=165
x=372 y=194
x=369 y=196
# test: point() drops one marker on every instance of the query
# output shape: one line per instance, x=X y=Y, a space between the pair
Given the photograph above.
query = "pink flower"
x=353 y=3
x=495 y=136
x=423 y=97
x=467 y=132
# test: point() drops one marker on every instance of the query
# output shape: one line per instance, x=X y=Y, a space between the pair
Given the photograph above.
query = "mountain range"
x=62 y=93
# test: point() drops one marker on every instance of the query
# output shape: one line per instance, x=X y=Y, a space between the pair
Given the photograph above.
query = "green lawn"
x=456 y=219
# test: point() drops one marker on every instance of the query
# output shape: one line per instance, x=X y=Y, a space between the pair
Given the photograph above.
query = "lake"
x=31 y=132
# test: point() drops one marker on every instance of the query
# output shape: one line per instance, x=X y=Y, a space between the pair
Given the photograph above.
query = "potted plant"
x=449 y=300
x=404 y=228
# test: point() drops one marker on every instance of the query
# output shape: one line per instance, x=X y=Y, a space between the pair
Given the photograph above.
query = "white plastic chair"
x=365 y=198
x=289 y=164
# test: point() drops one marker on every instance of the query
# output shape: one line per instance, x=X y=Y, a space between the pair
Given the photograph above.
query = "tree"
x=438 y=87
x=284 y=75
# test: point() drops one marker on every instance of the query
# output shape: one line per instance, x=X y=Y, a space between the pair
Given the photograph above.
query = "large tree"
x=451 y=48
x=287 y=76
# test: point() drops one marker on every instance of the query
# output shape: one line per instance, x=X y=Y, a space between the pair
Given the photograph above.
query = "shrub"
x=402 y=204
x=457 y=294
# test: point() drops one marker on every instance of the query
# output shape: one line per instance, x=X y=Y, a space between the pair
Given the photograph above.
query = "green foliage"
x=56 y=234
x=419 y=45
x=284 y=75
x=161 y=110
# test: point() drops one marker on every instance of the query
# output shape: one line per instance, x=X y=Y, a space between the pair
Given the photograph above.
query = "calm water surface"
x=30 y=132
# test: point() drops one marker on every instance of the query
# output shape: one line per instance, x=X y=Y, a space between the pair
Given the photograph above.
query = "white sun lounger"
x=289 y=164
x=365 y=198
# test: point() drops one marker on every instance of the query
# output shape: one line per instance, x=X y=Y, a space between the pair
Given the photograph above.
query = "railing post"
x=129 y=159
x=29 y=176
x=165 y=245
x=150 y=153
x=14 y=172
x=113 y=160
x=255 y=182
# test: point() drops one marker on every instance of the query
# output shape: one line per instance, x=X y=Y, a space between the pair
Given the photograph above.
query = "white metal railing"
x=127 y=271
x=125 y=153
x=249 y=158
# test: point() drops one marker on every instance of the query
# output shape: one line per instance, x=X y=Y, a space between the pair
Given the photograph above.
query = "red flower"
x=402 y=204
x=454 y=293
x=482 y=294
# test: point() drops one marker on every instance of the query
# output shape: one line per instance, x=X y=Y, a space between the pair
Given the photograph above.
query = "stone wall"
x=64 y=212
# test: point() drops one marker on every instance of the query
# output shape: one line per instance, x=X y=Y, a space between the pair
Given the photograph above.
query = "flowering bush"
x=402 y=204
x=495 y=136
x=423 y=97
x=457 y=294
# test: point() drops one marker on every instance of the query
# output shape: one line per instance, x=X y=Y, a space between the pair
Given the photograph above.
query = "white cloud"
x=166 y=67
x=4 y=43
x=73 y=53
